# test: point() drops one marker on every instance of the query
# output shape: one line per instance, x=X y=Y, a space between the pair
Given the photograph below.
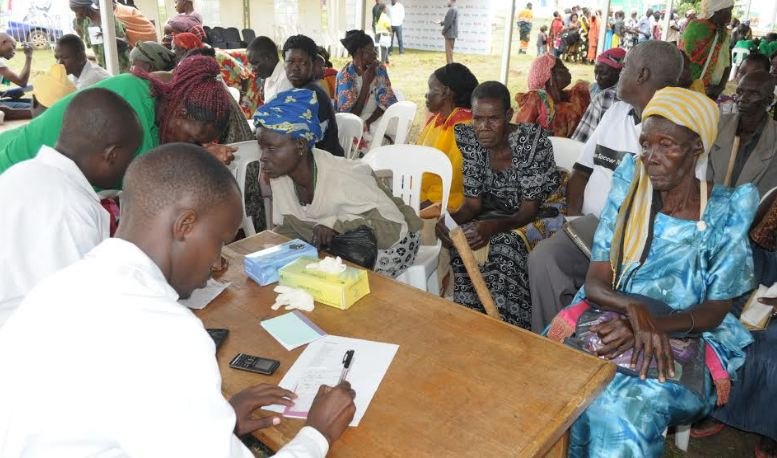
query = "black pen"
x=347 y=360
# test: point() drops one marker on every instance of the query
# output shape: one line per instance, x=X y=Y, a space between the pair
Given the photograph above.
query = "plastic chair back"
x=247 y=152
x=403 y=113
x=350 y=129
x=408 y=163
x=565 y=152
x=248 y=36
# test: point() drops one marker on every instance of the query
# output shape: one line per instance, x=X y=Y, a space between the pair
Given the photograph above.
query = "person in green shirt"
x=88 y=15
x=194 y=107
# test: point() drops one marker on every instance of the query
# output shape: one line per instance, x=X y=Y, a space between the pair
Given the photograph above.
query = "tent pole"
x=667 y=19
x=603 y=25
x=507 y=44
x=109 y=36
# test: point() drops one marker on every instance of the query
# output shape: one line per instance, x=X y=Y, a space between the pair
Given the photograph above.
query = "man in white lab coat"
x=101 y=360
x=50 y=215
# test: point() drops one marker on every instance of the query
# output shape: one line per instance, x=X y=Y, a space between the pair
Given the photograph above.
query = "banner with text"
x=422 y=30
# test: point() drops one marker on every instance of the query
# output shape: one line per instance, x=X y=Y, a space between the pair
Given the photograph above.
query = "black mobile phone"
x=218 y=336
x=255 y=364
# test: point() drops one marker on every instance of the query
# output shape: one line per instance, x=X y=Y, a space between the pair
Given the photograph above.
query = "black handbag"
x=358 y=246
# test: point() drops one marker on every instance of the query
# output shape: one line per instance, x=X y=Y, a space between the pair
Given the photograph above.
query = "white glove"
x=329 y=265
x=293 y=298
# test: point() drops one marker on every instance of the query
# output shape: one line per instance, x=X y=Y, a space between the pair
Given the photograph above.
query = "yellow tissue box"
x=338 y=290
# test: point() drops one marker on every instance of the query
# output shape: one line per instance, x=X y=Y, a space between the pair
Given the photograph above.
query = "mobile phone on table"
x=255 y=364
x=218 y=336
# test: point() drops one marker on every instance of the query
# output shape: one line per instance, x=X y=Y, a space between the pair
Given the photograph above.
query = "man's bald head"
x=180 y=205
x=648 y=67
x=7 y=46
x=100 y=132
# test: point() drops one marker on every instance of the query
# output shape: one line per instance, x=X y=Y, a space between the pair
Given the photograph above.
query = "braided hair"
x=196 y=88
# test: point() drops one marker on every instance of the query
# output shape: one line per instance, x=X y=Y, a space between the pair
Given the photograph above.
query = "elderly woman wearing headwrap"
x=706 y=41
x=88 y=15
x=363 y=85
x=548 y=103
x=670 y=253
x=149 y=56
x=317 y=196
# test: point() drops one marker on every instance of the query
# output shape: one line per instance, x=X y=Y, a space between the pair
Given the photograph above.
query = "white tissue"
x=329 y=265
x=293 y=298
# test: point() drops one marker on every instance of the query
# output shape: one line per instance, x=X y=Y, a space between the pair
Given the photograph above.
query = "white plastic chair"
x=350 y=129
x=565 y=152
x=408 y=163
x=404 y=113
x=247 y=153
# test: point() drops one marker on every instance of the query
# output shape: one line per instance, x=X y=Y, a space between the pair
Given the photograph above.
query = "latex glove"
x=293 y=298
x=329 y=265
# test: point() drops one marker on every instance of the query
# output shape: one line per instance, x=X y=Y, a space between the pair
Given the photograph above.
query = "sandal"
x=707 y=428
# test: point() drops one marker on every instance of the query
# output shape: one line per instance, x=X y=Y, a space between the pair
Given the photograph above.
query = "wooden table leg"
x=559 y=449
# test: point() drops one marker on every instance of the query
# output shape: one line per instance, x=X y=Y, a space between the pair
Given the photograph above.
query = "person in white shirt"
x=266 y=64
x=397 y=16
x=50 y=214
x=557 y=267
x=101 y=359
x=71 y=53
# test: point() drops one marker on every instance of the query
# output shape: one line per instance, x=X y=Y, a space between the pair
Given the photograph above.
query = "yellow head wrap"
x=51 y=86
x=685 y=108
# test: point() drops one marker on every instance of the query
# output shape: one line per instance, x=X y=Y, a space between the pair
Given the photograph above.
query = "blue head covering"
x=293 y=112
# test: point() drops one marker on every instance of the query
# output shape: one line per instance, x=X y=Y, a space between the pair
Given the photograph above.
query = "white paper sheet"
x=203 y=296
x=95 y=35
x=321 y=363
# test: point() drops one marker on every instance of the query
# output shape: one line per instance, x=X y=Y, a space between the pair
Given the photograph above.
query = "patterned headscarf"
x=613 y=57
x=51 y=86
x=293 y=112
x=633 y=225
x=154 y=54
x=187 y=40
x=541 y=71
x=710 y=7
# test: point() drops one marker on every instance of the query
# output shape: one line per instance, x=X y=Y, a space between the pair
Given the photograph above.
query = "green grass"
x=409 y=72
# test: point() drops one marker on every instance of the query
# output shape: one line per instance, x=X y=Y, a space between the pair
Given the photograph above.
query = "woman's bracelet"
x=693 y=323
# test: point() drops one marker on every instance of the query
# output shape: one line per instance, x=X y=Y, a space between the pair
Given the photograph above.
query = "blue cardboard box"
x=263 y=266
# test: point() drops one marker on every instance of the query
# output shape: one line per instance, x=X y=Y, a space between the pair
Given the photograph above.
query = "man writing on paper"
x=101 y=360
x=50 y=215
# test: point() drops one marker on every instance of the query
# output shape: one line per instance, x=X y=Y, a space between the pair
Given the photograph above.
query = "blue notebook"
x=292 y=330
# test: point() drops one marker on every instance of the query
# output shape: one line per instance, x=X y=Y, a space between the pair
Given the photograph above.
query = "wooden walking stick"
x=731 y=161
x=473 y=268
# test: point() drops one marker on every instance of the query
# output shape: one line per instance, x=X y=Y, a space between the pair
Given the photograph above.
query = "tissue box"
x=338 y=290
x=263 y=266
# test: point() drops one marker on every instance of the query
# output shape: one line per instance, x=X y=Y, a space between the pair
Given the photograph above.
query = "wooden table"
x=461 y=383
x=10 y=125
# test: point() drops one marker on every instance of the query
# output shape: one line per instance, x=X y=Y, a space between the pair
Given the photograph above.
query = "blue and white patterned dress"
x=685 y=266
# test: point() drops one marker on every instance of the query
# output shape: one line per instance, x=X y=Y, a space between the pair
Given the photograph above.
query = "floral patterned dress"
x=533 y=175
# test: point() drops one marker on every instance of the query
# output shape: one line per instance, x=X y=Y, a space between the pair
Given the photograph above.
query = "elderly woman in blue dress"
x=670 y=253
x=317 y=196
